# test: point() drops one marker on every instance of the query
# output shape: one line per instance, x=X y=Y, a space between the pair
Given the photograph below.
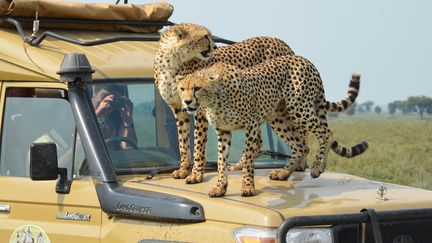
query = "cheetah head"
x=192 y=90
x=205 y=87
x=188 y=41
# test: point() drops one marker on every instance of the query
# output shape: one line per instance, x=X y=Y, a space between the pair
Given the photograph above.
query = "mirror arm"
x=63 y=183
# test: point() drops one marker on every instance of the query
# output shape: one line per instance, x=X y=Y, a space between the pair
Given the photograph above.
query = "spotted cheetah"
x=185 y=48
x=232 y=99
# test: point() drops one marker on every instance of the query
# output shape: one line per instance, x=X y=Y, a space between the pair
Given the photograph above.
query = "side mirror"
x=43 y=162
x=44 y=166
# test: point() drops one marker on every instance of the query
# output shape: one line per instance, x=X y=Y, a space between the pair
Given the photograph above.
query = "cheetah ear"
x=181 y=34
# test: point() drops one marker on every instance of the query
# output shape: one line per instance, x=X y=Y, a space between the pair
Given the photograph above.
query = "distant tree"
x=392 y=108
x=360 y=109
x=378 y=109
x=367 y=105
x=404 y=107
x=352 y=110
x=421 y=103
x=429 y=110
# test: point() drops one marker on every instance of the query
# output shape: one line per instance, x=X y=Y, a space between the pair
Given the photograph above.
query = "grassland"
x=400 y=148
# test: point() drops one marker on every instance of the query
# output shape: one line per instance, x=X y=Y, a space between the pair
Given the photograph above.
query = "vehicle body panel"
x=299 y=196
x=37 y=203
x=21 y=61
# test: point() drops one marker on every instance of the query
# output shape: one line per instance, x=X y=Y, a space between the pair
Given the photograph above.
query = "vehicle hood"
x=331 y=193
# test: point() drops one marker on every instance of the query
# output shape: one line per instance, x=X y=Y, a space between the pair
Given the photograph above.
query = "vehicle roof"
x=126 y=59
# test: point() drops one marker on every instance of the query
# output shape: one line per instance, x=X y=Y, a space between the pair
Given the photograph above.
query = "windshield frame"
x=268 y=160
x=156 y=104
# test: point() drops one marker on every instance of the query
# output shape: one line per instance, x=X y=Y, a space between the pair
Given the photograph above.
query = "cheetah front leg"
x=200 y=139
x=183 y=129
x=224 y=144
x=253 y=144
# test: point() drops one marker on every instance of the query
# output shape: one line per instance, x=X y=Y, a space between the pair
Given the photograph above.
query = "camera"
x=118 y=102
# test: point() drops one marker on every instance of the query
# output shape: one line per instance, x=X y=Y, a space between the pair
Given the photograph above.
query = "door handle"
x=4 y=208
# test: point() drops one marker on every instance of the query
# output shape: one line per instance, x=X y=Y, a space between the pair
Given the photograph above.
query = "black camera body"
x=118 y=102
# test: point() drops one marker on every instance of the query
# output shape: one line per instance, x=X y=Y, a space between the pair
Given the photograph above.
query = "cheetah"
x=186 y=48
x=232 y=99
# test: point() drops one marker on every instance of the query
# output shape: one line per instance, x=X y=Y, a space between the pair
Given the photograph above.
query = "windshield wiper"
x=158 y=170
x=152 y=173
x=273 y=154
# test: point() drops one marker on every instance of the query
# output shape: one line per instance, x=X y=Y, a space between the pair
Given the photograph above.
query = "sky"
x=388 y=41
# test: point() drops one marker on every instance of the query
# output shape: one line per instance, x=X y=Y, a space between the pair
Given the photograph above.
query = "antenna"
x=36 y=22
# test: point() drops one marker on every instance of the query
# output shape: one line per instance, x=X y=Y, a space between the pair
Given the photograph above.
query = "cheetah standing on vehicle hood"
x=185 y=48
x=244 y=99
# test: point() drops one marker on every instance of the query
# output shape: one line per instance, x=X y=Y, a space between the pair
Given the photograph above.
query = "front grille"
x=414 y=231
x=398 y=226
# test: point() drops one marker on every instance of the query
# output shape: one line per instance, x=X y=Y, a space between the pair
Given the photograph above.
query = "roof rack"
x=38 y=40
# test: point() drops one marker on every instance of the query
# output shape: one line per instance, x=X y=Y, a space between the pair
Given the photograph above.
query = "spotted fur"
x=232 y=99
x=185 y=48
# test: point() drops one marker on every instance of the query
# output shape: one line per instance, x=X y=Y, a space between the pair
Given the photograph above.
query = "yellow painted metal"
x=331 y=193
x=37 y=203
x=21 y=61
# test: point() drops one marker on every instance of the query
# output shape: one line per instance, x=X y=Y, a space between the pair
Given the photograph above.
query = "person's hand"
x=105 y=106
x=126 y=111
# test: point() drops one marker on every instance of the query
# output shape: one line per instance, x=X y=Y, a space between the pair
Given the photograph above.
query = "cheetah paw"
x=237 y=166
x=180 y=173
x=301 y=167
x=217 y=192
x=247 y=191
x=195 y=178
x=315 y=172
x=280 y=175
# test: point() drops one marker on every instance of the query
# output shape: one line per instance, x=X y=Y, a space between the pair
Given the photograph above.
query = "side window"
x=32 y=116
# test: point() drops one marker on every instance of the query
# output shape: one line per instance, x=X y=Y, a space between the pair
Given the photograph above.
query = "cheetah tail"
x=344 y=104
x=349 y=152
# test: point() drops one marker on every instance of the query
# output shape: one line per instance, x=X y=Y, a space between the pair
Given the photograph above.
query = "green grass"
x=400 y=148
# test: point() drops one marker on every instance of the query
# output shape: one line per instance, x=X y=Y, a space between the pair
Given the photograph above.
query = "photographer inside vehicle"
x=114 y=112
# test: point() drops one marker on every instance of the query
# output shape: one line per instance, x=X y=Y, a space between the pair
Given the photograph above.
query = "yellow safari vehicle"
x=70 y=172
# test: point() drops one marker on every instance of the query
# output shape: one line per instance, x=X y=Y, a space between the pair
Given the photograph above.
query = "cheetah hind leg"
x=284 y=127
x=324 y=137
x=296 y=139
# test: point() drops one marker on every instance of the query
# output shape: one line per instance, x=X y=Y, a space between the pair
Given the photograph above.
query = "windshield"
x=140 y=131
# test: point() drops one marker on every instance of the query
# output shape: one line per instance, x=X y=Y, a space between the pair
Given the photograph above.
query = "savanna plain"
x=400 y=148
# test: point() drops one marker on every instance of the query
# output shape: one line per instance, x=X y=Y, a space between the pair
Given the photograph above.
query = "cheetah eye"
x=197 y=89
x=182 y=89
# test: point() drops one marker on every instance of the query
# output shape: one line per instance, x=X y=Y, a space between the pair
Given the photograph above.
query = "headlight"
x=250 y=234
x=309 y=235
